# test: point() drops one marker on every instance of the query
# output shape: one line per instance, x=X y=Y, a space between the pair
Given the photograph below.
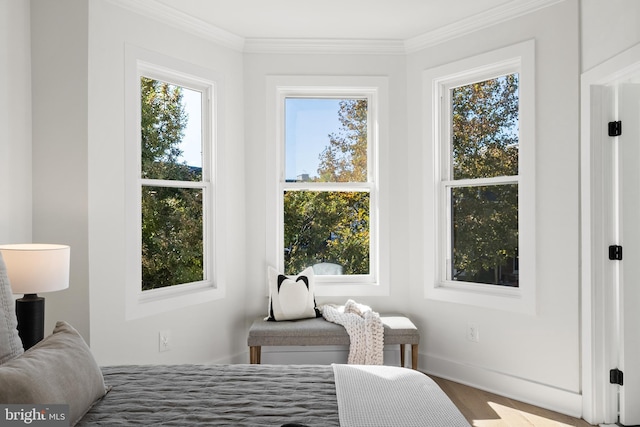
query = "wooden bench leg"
x=414 y=356
x=402 y=355
x=254 y=354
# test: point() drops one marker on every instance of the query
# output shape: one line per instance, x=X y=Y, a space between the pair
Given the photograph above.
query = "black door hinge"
x=615 y=252
x=615 y=128
x=616 y=376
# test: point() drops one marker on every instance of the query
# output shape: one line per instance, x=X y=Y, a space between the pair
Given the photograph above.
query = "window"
x=173 y=184
x=480 y=182
x=484 y=191
x=170 y=186
x=326 y=187
x=326 y=193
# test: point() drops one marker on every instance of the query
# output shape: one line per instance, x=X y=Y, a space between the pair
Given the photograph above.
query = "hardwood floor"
x=484 y=409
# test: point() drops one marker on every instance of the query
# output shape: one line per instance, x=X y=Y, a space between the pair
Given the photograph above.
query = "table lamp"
x=34 y=268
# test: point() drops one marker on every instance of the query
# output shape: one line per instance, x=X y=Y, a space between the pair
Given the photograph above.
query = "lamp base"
x=30 y=314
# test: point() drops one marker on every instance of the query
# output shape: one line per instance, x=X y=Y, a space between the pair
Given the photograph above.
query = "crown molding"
x=477 y=22
x=177 y=19
x=324 y=46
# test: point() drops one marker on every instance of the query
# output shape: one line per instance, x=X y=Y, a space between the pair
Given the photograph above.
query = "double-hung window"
x=479 y=183
x=171 y=192
x=326 y=190
x=484 y=197
x=175 y=182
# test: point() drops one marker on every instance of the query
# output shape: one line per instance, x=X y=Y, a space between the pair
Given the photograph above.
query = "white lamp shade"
x=33 y=267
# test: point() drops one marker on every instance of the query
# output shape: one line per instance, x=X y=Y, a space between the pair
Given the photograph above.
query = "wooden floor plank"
x=484 y=409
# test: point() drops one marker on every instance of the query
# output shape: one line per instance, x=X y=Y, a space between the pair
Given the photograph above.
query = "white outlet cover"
x=473 y=334
x=164 y=341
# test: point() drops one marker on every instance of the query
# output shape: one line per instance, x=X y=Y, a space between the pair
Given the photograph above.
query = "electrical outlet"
x=473 y=334
x=164 y=341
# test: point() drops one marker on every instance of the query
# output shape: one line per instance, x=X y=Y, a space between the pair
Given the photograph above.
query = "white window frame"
x=141 y=63
x=375 y=90
x=438 y=81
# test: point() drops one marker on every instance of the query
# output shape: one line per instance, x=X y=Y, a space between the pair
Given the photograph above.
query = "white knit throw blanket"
x=365 y=330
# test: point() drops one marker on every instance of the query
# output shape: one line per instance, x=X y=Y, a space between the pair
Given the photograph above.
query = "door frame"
x=598 y=401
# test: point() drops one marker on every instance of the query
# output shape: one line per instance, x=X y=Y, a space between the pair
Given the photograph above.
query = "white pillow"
x=291 y=297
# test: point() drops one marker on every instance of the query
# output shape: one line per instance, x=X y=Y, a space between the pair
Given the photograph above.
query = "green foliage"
x=172 y=250
x=162 y=123
x=327 y=226
x=485 y=145
x=345 y=158
x=333 y=226
x=485 y=133
x=485 y=221
x=171 y=236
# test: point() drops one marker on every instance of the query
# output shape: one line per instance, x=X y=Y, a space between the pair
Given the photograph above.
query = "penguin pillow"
x=291 y=297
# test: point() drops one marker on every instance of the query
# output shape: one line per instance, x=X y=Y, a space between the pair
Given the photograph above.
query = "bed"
x=271 y=395
x=60 y=370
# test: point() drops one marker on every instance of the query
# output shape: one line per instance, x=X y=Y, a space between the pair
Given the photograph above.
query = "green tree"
x=485 y=145
x=345 y=158
x=333 y=226
x=172 y=250
x=327 y=226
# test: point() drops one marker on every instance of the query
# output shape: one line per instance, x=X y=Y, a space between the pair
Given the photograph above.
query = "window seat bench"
x=308 y=332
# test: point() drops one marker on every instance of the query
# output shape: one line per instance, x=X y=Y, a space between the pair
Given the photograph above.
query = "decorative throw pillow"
x=58 y=370
x=10 y=342
x=291 y=297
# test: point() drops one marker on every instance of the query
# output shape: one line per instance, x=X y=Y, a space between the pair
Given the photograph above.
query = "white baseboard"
x=322 y=355
x=234 y=359
x=541 y=395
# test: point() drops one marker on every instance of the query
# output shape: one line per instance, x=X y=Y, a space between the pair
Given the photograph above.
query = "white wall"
x=393 y=177
x=59 y=37
x=534 y=358
x=206 y=332
x=78 y=137
x=607 y=28
x=393 y=180
x=15 y=122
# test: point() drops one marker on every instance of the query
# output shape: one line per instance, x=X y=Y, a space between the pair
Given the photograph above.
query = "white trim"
x=481 y=182
x=165 y=14
x=501 y=383
x=324 y=46
x=182 y=21
x=376 y=90
x=516 y=58
x=370 y=186
x=477 y=22
x=598 y=402
x=139 y=62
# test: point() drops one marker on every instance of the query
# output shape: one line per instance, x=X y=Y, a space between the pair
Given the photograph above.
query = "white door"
x=628 y=290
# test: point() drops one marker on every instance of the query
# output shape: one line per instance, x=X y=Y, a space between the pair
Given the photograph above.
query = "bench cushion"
x=318 y=331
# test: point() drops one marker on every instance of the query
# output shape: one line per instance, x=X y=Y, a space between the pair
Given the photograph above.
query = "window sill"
x=149 y=303
x=516 y=300
x=351 y=289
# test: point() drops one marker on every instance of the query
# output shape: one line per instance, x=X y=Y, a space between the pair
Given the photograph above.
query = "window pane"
x=171 y=131
x=326 y=227
x=172 y=248
x=325 y=140
x=485 y=234
x=485 y=128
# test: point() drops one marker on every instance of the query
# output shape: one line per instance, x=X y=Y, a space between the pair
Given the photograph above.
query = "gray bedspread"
x=216 y=395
